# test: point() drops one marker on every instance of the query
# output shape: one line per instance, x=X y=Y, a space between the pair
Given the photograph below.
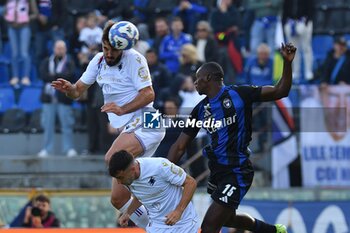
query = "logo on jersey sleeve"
x=165 y=164
x=143 y=74
x=138 y=59
x=176 y=170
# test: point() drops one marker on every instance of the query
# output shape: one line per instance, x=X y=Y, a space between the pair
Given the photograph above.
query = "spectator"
x=159 y=73
x=259 y=69
x=189 y=60
x=48 y=26
x=169 y=50
x=225 y=21
x=39 y=215
x=75 y=9
x=259 y=72
x=111 y=9
x=189 y=95
x=162 y=30
x=99 y=137
x=171 y=110
x=18 y=16
x=190 y=12
x=75 y=44
x=207 y=48
x=264 y=25
x=58 y=65
x=142 y=45
x=297 y=21
x=90 y=37
x=335 y=69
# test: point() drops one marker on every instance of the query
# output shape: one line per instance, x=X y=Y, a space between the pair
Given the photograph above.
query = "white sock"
x=139 y=217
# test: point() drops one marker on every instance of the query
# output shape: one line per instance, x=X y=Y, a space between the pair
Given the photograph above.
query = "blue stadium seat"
x=13 y=121
x=29 y=99
x=4 y=73
x=7 y=99
x=321 y=44
x=7 y=50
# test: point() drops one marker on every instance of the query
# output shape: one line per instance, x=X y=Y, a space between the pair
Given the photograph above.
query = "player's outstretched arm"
x=73 y=91
x=124 y=219
x=190 y=186
x=281 y=89
x=144 y=97
x=178 y=148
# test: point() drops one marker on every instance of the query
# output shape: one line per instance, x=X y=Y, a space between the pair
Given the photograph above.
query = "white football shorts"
x=149 y=138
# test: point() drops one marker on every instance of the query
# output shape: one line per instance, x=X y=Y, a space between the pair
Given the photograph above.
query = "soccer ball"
x=123 y=35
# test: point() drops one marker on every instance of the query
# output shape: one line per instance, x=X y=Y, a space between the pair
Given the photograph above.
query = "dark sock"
x=262 y=227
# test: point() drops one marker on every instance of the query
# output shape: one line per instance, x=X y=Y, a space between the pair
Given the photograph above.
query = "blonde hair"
x=191 y=52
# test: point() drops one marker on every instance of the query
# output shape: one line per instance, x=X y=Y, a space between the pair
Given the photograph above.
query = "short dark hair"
x=119 y=161
x=214 y=70
x=42 y=198
x=106 y=29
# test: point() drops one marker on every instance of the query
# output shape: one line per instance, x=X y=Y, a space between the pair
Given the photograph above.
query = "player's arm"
x=281 y=89
x=73 y=91
x=124 y=219
x=177 y=150
x=187 y=135
x=141 y=79
x=144 y=97
x=189 y=186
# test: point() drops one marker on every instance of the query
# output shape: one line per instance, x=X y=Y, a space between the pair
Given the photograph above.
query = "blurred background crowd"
x=42 y=40
x=302 y=140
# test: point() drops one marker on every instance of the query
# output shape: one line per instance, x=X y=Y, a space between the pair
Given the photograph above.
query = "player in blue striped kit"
x=231 y=172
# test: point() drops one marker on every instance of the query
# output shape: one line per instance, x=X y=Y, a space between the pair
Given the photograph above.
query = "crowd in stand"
x=46 y=39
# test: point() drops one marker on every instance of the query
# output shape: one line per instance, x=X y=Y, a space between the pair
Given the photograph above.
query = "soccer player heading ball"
x=126 y=84
x=123 y=35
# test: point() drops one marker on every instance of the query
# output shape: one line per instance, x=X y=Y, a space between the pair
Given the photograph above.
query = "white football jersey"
x=159 y=189
x=120 y=83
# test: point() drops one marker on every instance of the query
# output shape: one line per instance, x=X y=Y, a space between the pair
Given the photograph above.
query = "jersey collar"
x=218 y=94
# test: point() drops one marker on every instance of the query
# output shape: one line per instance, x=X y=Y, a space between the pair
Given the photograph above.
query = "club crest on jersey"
x=151 y=181
x=143 y=74
x=227 y=103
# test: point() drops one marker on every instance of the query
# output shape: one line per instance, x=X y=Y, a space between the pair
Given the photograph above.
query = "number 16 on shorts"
x=228 y=191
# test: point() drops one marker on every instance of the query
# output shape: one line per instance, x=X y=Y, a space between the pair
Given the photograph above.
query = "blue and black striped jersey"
x=229 y=123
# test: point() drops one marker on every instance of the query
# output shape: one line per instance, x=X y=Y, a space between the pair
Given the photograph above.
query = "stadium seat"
x=321 y=44
x=34 y=123
x=7 y=50
x=13 y=121
x=29 y=99
x=7 y=99
x=4 y=72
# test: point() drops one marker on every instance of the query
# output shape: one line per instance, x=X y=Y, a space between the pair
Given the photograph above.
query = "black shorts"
x=228 y=185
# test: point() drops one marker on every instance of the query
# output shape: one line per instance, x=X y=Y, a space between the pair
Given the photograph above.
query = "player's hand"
x=124 y=219
x=62 y=85
x=112 y=107
x=173 y=217
x=288 y=51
